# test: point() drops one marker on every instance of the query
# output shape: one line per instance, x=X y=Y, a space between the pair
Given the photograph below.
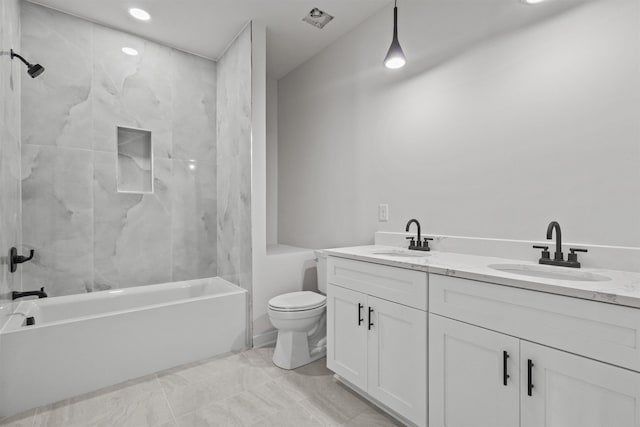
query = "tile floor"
x=243 y=389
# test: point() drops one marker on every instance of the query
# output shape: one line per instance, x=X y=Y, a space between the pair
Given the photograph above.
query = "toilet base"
x=292 y=350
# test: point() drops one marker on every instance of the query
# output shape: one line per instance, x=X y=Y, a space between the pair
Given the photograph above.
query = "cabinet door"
x=467 y=384
x=570 y=390
x=397 y=354
x=347 y=334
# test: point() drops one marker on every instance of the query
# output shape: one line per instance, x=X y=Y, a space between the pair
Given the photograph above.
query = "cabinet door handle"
x=360 y=318
x=529 y=380
x=370 y=323
x=505 y=376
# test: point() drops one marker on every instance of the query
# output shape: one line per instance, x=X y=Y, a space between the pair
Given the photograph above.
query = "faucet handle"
x=412 y=243
x=573 y=256
x=545 y=251
x=425 y=245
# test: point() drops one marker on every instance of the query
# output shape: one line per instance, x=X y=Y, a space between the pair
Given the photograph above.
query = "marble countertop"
x=622 y=289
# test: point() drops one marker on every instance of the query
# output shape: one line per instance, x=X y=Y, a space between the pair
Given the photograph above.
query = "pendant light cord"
x=395 y=20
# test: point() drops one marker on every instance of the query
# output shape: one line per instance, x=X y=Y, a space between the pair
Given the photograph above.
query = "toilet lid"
x=295 y=301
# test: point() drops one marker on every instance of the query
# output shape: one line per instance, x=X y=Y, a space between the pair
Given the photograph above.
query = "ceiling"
x=206 y=27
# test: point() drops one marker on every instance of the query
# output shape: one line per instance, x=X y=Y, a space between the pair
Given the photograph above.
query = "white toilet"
x=300 y=318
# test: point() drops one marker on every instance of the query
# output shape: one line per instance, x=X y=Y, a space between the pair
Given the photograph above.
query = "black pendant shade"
x=395 y=56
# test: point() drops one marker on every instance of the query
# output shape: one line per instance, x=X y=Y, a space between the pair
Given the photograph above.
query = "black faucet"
x=558 y=256
x=417 y=245
x=417 y=223
x=553 y=225
x=40 y=294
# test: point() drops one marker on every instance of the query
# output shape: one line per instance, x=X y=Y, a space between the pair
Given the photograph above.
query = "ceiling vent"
x=317 y=18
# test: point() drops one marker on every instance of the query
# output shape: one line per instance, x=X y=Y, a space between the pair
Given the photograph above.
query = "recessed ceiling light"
x=140 y=14
x=532 y=1
x=129 y=51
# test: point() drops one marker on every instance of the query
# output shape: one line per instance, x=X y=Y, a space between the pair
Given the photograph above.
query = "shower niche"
x=135 y=160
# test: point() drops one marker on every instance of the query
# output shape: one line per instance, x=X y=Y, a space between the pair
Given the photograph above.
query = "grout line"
x=166 y=399
x=313 y=417
x=93 y=210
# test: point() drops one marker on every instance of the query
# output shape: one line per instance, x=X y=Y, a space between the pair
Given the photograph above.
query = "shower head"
x=34 y=70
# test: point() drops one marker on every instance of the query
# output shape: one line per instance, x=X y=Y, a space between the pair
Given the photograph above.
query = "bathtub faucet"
x=40 y=294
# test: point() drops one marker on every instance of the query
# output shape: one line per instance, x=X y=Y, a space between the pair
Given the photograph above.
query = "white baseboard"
x=265 y=339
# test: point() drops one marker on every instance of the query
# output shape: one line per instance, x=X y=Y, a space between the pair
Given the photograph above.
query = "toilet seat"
x=297 y=301
x=297 y=314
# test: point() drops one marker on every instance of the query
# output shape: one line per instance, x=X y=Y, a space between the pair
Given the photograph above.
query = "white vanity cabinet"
x=347 y=334
x=570 y=390
x=397 y=358
x=473 y=326
x=377 y=333
x=474 y=376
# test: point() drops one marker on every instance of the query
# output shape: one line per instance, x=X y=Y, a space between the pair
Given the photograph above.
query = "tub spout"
x=40 y=294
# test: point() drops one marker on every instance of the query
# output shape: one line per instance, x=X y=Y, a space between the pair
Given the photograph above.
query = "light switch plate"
x=383 y=212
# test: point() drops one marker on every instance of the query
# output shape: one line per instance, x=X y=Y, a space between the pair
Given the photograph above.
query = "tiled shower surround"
x=10 y=75
x=234 y=162
x=86 y=234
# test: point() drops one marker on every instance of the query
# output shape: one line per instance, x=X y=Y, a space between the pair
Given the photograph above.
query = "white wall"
x=506 y=117
x=272 y=161
x=276 y=269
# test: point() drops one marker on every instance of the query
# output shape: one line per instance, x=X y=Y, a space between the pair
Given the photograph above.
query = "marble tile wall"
x=57 y=218
x=134 y=160
x=10 y=76
x=87 y=235
x=234 y=162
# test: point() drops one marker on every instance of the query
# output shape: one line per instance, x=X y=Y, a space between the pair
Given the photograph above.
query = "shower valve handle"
x=15 y=259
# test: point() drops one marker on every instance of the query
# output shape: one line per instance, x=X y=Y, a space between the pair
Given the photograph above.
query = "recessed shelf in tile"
x=135 y=161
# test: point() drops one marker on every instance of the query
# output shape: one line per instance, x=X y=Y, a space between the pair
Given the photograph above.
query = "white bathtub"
x=81 y=343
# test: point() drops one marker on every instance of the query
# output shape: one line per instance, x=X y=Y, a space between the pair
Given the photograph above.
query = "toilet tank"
x=322 y=271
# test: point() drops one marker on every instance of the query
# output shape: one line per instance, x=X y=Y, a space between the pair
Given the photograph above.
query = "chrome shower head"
x=34 y=70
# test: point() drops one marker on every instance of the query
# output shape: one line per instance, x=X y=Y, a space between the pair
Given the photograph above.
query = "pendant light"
x=395 y=57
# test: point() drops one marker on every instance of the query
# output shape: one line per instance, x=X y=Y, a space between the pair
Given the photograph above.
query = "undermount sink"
x=402 y=253
x=557 y=273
